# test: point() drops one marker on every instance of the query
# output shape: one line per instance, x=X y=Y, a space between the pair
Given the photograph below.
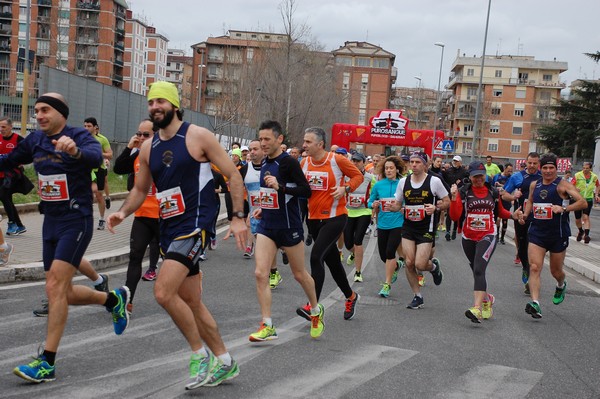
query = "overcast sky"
x=545 y=29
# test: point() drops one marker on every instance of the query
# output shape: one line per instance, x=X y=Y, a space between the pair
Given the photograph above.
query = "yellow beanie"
x=166 y=90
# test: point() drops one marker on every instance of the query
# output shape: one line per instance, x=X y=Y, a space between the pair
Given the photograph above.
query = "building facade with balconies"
x=179 y=72
x=517 y=95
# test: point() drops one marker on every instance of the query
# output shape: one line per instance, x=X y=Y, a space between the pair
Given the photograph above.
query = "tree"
x=577 y=123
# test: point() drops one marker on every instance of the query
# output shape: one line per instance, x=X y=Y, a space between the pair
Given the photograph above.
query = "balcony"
x=550 y=84
x=215 y=59
x=117 y=78
x=43 y=19
x=121 y=13
x=120 y=46
x=86 y=22
x=212 y=93
x=5 y=30
x=118 y=62
x=89 y=71
x=44 y=3
x=6 y=14
x=88 y=5
x=5 y=47
x=83 y=39
x=464 y=115
x=120 y=32
x=87 y=55
x=212 y=76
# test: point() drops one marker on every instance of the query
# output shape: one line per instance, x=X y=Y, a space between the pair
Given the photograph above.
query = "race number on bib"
x=542 y=211
x=479 y=222
x=317 y=180
x=269 y=198
x=171 y=203
x=386 y=202
x=254 y=199
x=53 y=187
x=356 y=200
x=414 y=213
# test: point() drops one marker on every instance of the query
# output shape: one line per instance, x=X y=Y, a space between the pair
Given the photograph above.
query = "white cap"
x=457 y=158
x=245 y=148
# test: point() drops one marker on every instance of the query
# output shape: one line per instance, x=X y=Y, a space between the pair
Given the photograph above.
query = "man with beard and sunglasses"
x=178 y=161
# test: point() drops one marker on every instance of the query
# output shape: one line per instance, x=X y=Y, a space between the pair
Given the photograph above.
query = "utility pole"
x=25 y=97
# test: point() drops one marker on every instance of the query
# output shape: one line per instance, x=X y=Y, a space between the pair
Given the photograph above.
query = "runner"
x=280 y=225
x=498 y=182
x=327 y=213
x=63 y=157
x=517 y=189
x=389 y=224
x=420 y=194
x=478 y=204
x=100 y=172
x=549 y=230
x=178 y=161
x=588 y=185
x=144 y=229
x=359 y=217
x=455 y=174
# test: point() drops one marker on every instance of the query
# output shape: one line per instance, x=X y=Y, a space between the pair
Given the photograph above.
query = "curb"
x=100 y=261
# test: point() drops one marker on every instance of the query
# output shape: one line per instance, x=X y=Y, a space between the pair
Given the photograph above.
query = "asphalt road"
x=387 y=351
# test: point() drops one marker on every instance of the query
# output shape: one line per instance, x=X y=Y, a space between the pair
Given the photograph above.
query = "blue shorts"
x=550 y=243
x=188 y=249
x=66 y=239
x=283 y=237
x=253 y=225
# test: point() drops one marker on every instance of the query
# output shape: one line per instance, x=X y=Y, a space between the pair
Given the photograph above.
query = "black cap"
x=477 y=168
x=357 y=156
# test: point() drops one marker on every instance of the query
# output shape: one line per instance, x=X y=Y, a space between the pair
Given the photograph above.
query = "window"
x=523 y=77
x=498 y=73
x=249 y=54
x=496 y=111
x=470 y=72
x=362 y=62
x=362 y=114
x=468 y=128
x=515 y=148
x=520 y=93
x=517 y=130
x=494 y=129
x=547 y=78
x=344 y=61
x=467 y=146
x=492 y=147
x=381 y=63
x=545 y=96
x=346 y=80
x=519 y=112
x=471 y=92
x=497 y=92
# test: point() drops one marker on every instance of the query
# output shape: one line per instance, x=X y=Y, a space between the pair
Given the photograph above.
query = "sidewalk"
x=106 y=250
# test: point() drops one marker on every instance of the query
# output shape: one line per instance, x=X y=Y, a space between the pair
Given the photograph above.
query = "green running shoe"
x=358 y=278
x=274 y=279
x=39 y=370
x=350 y=260
x=559 y=294
x=264 y=333
x=534 y=310
x=395 y=275
x=316 y=323
x=385 y=290
x=223 y=373
x=474 y=314
x=486 y=309
x=201 y=368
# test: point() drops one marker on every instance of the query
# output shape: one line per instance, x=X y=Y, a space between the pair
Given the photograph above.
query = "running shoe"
x=586 y=239
x=437 y=273
x=448 y=236
x=401 y=263
x=275 y=279
x=119 y=312
x=309 y=239
x=416 y=303
x=517 y=260
x=559 y=294
x=304 y=311
x=502 y=241
x=248 y=252
x=350 y=310
x=524 y=276
x=395 y=274
x=201 y=368
x=454 y=235
x=384 y=292
x=526 y=289
x=107 y=202
x=579 y=235
x=101 y=224
x=39 y=370
x=264 y=333
x=43 y=311
x=103 y=286
x=12 y=227
x=350 y=260
x=22 y=229
x=316 y=323
x=474 y=314
x=213 y=244
x=486 y=310
x=5 y=254
x=358 y=278
x=284 y=258
x=534 y=310
x=150 y=275
x=223 y=373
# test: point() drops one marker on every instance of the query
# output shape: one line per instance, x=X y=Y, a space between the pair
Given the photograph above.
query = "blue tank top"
x=185 y=188
x=527 y=180
x=544 y=220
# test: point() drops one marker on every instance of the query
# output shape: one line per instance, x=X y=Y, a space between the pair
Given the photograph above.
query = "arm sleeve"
x=291 y=172
x=91 y=150
x=503 y=213
x=124 y=162
x=456 y=208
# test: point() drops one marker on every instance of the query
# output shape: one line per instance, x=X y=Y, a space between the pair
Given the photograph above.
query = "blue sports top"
x=65 y=183
x=521 y=180
x=185 y=188
x=385 y=189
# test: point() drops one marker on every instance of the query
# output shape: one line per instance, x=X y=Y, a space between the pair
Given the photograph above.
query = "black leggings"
x=523 y=243
x=213 y=233
x=325 y=234
x=355 y=230
x=388 y=242
x=144 y=232
x=479 y=254
x=9 y=207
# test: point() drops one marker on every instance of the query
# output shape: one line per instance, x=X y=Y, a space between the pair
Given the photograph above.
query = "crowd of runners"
x=178 y=170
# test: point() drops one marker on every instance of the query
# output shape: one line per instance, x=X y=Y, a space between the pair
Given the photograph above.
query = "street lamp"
x=442 y=45
x=418 y=101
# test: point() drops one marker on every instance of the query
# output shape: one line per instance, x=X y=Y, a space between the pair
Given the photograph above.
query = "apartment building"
x=134 y=70
x=156 y=56
x=517 y=94
x=179 y=72
x=418 y=105
x=367 y=77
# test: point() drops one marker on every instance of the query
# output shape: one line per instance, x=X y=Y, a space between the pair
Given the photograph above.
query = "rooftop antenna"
x=520 y=47
x=498 y=48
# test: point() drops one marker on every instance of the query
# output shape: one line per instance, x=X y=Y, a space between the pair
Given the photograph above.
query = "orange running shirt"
x=324 y=175
x=149 y=208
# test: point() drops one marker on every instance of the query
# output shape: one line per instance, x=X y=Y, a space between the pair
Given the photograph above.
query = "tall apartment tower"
x=156 y=56
x=179 y=72
x=518 y=92
x=368 y=74
x=134 y=70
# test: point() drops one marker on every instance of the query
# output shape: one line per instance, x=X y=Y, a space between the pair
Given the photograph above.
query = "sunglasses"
x=145 y=134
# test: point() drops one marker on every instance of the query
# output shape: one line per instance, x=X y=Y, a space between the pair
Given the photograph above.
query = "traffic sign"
x=448 y=145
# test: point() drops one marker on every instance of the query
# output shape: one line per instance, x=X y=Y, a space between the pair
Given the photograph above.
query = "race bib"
x=171 y=203
x=386 y=202
x=542 y=211
x=53 y=187
x=356 y=200
x=479 y=222
x=254 y=198
x=414 y=213
x=269 y=198
x=318 y=180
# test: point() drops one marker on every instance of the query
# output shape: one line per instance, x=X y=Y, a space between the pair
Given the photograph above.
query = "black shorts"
x=549 y=242
x=282 y=237
x=187 y=250
x=586 y=211
x=419 y=237
x=101 y=178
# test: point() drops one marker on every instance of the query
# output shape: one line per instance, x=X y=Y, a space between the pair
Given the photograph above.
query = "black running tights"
x=479 y=254
x=144 y=233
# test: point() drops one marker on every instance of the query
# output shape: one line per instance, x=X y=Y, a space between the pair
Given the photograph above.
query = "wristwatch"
x=564 y=209
x=239 y=215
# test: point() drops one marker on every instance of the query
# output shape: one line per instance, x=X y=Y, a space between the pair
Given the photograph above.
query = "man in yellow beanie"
x=178 y=159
